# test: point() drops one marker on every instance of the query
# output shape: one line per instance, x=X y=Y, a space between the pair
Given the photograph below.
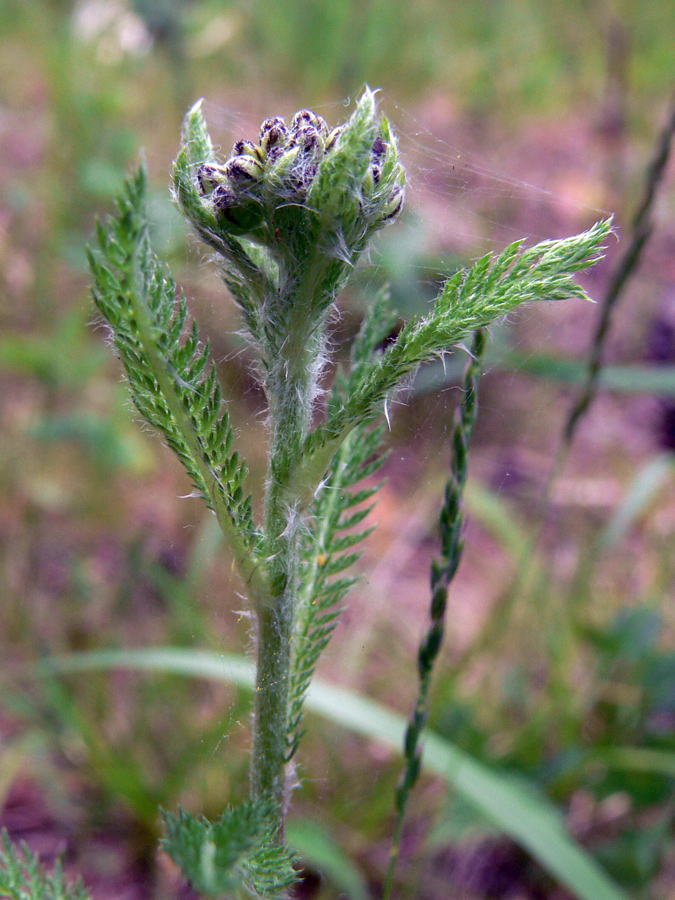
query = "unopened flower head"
x=348 y=179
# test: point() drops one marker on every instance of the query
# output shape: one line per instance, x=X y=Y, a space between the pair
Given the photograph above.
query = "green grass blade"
x=181 y=661
x=637 y=759
x=317 y=848
x=498 y=518
x=645 y=487
x=631 y=378
x=624 y=378
x=529 y=820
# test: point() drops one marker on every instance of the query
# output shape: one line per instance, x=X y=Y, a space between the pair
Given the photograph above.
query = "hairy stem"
x=290 y=388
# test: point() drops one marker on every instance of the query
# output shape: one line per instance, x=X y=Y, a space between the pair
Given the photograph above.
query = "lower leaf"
x=238 y=851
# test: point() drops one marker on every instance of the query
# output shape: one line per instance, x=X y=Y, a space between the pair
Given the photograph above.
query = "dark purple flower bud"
x=239 y=215
x=272 y=132
x=379 y=148
x=246 y=148
x=307 y=138
x=308 y=175
x=306 y=117
x=208 y=177
x=275 y=152
x=223 y=198
x=377 y=155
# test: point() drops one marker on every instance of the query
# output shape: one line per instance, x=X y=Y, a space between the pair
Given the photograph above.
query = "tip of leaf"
x=367 y=100
x=195 y=108
x=385 y=129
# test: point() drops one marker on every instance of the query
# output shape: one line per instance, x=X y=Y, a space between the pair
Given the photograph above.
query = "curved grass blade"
x=530 y=821
x=315 y=846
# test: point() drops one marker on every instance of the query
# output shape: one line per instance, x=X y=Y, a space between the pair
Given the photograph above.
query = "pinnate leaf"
x=239 y=850
x=23 y=878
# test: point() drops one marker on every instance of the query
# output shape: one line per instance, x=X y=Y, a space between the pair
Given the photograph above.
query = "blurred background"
x=517 y=119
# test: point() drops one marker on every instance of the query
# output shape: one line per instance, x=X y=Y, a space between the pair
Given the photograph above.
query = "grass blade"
x=638 y=759
x=530 y=821
x=646 y=486
x=316 y=847
x=629 y=378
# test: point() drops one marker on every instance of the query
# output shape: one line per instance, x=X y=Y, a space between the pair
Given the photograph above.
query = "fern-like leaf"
x=334 y=517
x=23 y=878
x=470 y=299
x=171 y=377
x=237 y=851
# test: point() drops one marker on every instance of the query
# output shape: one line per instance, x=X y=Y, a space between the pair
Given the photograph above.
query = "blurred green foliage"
x=580 y=702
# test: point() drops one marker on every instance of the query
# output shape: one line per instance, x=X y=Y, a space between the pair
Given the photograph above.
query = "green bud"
x=282 y=176
x=273 y=136
x=393 y=206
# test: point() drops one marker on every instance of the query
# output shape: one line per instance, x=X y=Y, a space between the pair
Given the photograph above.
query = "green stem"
x=290 y=390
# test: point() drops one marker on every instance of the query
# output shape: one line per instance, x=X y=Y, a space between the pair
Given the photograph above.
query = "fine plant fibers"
x=287 y=218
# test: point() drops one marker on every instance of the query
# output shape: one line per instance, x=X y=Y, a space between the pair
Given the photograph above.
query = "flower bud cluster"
x=281 y=169
x=289 y=216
